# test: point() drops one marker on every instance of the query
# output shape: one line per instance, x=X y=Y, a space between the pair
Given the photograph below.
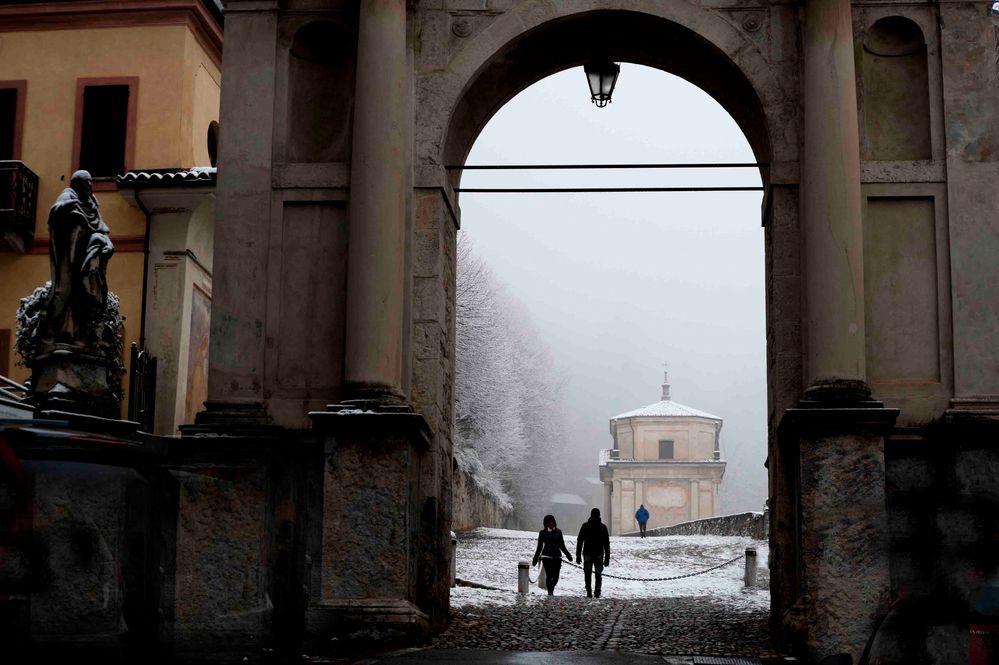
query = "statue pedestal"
x=70 y=378
x=367 y=577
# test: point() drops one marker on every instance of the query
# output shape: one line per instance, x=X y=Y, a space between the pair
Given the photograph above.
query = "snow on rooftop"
x=667 y=408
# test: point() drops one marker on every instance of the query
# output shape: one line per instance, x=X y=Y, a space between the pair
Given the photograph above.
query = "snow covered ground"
x=490 y=556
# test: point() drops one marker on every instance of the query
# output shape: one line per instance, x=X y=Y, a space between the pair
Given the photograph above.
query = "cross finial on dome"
x=665 y=382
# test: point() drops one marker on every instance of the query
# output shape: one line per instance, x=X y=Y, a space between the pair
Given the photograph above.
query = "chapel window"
x=665 y=449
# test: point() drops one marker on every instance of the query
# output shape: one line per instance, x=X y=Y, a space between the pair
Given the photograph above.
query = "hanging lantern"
x=602 y=77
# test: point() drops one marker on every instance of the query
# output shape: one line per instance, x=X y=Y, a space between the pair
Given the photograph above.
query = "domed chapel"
x=666 y=456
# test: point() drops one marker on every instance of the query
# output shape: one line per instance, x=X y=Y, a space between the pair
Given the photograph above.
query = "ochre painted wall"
x=178 y=96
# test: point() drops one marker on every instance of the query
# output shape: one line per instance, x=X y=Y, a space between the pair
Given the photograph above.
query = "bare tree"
x=508 y=414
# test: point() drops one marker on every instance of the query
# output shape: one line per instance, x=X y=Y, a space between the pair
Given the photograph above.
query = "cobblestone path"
x=659 y=626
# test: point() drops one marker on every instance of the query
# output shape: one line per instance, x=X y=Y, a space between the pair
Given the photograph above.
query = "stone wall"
x=749 y=525
x=472 y=508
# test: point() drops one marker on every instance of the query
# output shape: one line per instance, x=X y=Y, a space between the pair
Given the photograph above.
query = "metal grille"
x=715 y=660
x=142 y=389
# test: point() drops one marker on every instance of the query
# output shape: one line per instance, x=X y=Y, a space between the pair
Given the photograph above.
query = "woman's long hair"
x=547 y=519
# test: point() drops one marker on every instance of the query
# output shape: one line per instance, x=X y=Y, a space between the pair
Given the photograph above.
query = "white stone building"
x=666 y=456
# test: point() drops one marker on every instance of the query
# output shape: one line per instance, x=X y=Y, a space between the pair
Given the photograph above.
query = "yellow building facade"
x=667 y=457
x=146 y=74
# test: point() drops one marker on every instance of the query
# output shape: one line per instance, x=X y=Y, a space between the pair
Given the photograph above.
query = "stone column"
x=378 y=196
x=830 y=188
x=616 y=508
x=243 y=212
x=607 y=506
x=695 y=499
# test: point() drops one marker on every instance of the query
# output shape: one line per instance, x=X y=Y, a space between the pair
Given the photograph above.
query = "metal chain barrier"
x=663 y=579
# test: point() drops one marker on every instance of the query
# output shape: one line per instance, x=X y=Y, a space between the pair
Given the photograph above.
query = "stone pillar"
x=243 y=213
x=616 y=509
x=695 y=499
x=378 y=204
x=180 y=288
x=843 y=574
x=371 y=521
x=836 y=436
x=607 y=507
x=830 y=188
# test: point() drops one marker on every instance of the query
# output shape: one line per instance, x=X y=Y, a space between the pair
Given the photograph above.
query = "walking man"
x=594 y=544
x=642 y=516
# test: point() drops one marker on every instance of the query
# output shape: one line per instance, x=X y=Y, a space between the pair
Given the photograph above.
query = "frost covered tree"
x=508 y=415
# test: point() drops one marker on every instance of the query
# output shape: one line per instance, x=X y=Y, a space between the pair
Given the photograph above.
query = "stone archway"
x=714 y=52
x=374 y=336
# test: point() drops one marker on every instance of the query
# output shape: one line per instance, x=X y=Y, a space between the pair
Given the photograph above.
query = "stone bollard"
x=523 y=577
x=750 y=576
x=454 y=558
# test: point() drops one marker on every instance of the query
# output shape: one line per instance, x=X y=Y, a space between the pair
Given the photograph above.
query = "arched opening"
x=626 y=37
x=622 y=36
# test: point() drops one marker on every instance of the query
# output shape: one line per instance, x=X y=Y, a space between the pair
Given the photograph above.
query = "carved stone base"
x=232 y=419
x=385 y=618
x=842 y=556
x=369 y=531
x=67 y=378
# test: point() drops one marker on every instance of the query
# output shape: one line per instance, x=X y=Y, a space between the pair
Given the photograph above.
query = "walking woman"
x=550 y=548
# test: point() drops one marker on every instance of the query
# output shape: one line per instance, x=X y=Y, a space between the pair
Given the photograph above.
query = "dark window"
x=4 y=352
x=665 y=450
x=8 y=122
x=104 y=130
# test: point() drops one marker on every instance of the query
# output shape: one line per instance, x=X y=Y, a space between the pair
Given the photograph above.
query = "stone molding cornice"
x=373 y=426
x=824 y=421
x=251 y=6
x=87 y=14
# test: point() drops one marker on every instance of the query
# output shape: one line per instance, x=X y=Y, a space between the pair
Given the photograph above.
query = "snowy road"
x=711 y=614
x=490 y=556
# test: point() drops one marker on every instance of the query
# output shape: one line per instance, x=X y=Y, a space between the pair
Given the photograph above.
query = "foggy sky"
x=619 y=283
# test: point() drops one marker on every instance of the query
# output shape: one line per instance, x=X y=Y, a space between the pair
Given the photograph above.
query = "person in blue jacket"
x=642 y=516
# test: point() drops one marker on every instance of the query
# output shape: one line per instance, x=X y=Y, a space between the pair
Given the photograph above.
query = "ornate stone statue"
x=69 y=331
x=79 y=250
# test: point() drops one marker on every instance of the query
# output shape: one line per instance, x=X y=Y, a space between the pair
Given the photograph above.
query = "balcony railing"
x=609 y=455
x=18 y=202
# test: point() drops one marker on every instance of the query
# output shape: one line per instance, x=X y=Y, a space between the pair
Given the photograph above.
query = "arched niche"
x=893 y=91
x=321 y=66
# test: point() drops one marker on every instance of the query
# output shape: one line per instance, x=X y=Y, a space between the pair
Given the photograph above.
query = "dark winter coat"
x=593 y=539
x=642 y=515
x=549 y=544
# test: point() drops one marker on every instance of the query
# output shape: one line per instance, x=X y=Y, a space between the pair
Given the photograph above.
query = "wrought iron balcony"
x=18 y=202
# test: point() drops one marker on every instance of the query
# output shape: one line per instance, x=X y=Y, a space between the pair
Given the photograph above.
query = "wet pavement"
x=653 y=626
